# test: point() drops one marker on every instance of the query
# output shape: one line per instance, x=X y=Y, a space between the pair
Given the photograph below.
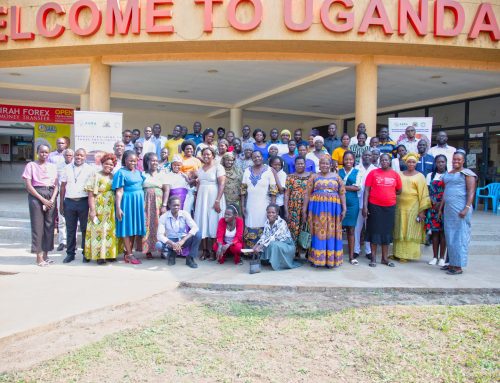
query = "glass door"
x=477 y=152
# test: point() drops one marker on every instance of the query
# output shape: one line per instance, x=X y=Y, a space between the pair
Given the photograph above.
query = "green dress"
x=100 y=237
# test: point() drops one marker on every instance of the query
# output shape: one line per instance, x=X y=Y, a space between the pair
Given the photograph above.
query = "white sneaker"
x=441 y=262
x=433 y=262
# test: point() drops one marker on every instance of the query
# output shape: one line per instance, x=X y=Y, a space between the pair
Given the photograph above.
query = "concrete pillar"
x=366 y=94
x=236 y=121
x=100 y=86
x=84 y=101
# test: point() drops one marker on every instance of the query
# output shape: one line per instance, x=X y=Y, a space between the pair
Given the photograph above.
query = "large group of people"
x=208 y=195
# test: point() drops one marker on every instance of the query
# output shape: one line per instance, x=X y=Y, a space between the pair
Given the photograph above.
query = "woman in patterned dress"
x=233 y=181
x=156 y=193
x=101 y=244
x=325 y=200
x=433 y=221
x=295 y=189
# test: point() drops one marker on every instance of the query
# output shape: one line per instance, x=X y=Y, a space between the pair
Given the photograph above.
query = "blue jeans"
x=192 y=244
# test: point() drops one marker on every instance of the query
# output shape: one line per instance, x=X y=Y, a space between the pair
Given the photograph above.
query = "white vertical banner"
x=97 y=131
x=422 y=125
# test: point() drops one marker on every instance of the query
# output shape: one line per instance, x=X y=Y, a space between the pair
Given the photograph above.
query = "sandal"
x=49 y=261
x=204 y=255
x=354 y=262
x=390 y=264
x=372 y=264
x=454 y=272
x=43 y=264
x=212 y=256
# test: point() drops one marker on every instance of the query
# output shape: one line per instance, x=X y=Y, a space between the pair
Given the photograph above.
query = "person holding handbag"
x=295 y=188
x=276 y=245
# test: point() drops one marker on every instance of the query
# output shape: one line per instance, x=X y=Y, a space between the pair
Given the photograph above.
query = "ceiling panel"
x=232 y=81
x=63 y=76
x=150 y=105
x=33 y=96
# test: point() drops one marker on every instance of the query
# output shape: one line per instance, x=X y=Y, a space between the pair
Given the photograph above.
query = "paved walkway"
x=31 y=296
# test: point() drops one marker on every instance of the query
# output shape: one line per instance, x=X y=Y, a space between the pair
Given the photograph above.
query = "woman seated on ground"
x=229 y=236
x=276 y=245
x=178 y=234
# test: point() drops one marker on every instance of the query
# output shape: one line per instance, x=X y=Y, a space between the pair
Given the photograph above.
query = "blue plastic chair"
x=492 y=192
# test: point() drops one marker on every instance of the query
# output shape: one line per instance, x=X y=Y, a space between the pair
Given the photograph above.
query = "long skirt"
x=42 y=222
x=458 y=235
x=100 y=238
x=152 y=205
x=326 y=230
x=280 y=255
x=380 y=224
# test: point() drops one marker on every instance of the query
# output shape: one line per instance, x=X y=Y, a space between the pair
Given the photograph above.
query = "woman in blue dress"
x=459 y=191
x=129 y=200
x=352 y=185
x=260 y=144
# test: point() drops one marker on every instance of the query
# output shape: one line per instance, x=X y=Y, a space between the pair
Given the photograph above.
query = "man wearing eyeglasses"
x=410 y=141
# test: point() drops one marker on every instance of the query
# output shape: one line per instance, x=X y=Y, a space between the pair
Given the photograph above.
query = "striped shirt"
x=358 y=151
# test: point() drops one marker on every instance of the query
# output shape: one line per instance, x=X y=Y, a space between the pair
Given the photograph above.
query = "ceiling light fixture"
x=15 y=74
x=435 y=77
x=182 y=91
x=212 y=71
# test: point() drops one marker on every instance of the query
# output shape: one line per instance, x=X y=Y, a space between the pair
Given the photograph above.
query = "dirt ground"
x=23 y=351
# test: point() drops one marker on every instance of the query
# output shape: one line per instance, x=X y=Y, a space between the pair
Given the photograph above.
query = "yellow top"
x=338 y=155
x=174 y=147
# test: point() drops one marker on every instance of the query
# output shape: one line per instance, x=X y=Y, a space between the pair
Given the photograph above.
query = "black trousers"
x=74 y=212
x=42 y=222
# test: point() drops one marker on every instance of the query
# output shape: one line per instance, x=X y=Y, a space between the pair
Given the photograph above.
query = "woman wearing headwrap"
x=273 y=150
x=179 y=182
x=318 y=151
x=245 y=160
x=285 y=136
x=411 y=207
x=232 y=190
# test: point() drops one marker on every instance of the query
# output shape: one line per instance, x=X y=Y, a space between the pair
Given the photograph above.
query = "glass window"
x=22 y=148
x=383 y=119
x=412 y=113
x=446 y=116
x=493 y=171
x=350 y=127
x=484 y=111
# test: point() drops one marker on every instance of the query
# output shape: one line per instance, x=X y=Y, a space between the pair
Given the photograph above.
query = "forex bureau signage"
x=337 y=16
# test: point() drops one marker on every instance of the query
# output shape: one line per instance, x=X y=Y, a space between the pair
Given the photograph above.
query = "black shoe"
x=171 y=260
x=101 y=262
x=191 y=263
x=85 y=260
x=61 y=247
x=110 y=259
x=163 y=256
x=69 y=258
x=369 y=256
x=355 y=255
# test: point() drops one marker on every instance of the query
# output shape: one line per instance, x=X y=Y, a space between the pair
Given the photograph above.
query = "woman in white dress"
x=258 y=190
x=210 y=201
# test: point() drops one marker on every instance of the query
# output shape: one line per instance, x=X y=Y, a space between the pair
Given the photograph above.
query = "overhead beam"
x=39 y=88
x=294 y=85
x=292 y=112
x=169 y=100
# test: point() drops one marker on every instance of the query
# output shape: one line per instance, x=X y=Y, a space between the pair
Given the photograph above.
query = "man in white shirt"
x=360 y=129
x=148 y=142
x=443 y=148
x=364 y=168
x=410 y=141
x=178 y=234
x=75 y=204
x=158 y=138
x=68 y=155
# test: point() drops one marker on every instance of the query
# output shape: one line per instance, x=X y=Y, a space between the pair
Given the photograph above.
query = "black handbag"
x=255 y=264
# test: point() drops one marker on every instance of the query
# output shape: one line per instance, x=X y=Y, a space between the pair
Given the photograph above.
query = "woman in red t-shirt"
x=381 y=187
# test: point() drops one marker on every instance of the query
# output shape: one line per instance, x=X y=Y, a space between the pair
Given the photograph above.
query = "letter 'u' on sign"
x=253 y=23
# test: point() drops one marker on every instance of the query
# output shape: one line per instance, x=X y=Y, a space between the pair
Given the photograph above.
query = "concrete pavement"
x=31 y=296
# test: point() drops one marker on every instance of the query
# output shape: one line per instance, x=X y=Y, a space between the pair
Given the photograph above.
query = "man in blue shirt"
x=196 y=136
x=425 y=164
